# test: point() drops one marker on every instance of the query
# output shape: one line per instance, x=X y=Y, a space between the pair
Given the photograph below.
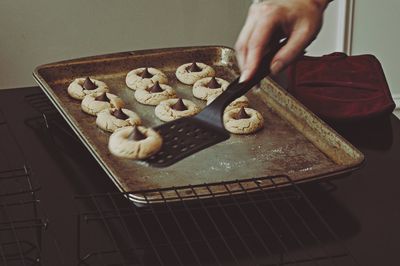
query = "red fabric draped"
x=341 y=87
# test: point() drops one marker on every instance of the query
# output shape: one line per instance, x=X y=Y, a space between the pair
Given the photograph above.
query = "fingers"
x=241 y=43
x=300 y=19
x=255 y=45
x=298 y=40
x=256 y=49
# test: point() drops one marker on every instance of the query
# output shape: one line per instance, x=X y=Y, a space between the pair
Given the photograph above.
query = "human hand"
x=299 y=20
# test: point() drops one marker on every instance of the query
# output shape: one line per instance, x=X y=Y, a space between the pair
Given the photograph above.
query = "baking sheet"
x=294 y=142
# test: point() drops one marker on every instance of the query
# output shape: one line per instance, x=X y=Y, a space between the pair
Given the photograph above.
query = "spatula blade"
x=182 y=138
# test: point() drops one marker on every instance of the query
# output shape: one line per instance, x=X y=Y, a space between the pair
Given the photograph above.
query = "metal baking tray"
x=294 y=141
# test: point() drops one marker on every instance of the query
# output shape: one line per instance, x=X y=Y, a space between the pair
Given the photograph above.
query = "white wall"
x=329 y=34
x=376 y=31
x=44 y=31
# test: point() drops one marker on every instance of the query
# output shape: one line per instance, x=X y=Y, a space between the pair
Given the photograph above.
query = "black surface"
x=362 y=208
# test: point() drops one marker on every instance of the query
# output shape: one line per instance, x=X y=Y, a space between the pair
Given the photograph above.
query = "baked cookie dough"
x=243 y=120
x=111 y=119
x=191 y=72
x=242 y=101
x=92 y=104
x=206 y=87
x=172 y=109
x=81 y=87
x=134 y=142
x=155 y=94
x=142 y=78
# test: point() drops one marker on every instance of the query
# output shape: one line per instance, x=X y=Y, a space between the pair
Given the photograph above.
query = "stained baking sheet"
x=293 y=142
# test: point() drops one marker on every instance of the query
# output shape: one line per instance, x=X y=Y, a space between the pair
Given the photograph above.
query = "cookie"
x=134 y=142
x=243 y=120
x=172 y=109
x=111 y=119
x=81 y=87
x=191 y=72
x=142 y=78
x=155 y=94
x=242 y=101
x=206 y=87
x=93 y=104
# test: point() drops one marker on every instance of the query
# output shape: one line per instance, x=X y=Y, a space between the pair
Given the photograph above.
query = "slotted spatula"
x=188 y=135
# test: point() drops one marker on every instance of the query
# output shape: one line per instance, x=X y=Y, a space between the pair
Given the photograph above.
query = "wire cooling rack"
x=21 y=225
x=275 y=226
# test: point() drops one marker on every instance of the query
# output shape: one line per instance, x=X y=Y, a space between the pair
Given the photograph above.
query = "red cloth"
x=341 y=87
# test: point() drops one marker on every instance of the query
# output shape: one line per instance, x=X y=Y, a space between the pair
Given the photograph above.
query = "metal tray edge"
x=311 y=117
x=119 y=55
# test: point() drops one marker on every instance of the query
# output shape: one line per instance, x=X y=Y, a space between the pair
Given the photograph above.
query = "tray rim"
x=118 y=55
x=361 y=156
x=46 y=88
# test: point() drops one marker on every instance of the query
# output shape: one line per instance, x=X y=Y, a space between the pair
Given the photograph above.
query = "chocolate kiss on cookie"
x=88 y=84
x=146 y=74
x=102 y=98
x=156 y=88
x=213 y=83
x=136 y=135
x=119 y=114
x=242 y=114
x=193 y=68
x=179 y=105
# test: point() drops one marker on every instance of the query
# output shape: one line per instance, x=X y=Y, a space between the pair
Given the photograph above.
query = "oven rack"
x=21 y=225
x=49 y=117
x=278 y=226
x=22 y=219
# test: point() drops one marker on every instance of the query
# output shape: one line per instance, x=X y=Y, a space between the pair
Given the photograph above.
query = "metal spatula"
x=188 y=135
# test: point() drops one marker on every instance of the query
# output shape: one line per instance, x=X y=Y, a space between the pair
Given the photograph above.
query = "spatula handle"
x=236 y=89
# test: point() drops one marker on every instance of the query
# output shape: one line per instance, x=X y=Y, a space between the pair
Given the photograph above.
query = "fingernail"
x=244 y=76
x=276 y=67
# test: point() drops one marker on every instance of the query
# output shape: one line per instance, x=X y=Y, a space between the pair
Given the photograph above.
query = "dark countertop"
x=362 y=208
x=370 y=196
